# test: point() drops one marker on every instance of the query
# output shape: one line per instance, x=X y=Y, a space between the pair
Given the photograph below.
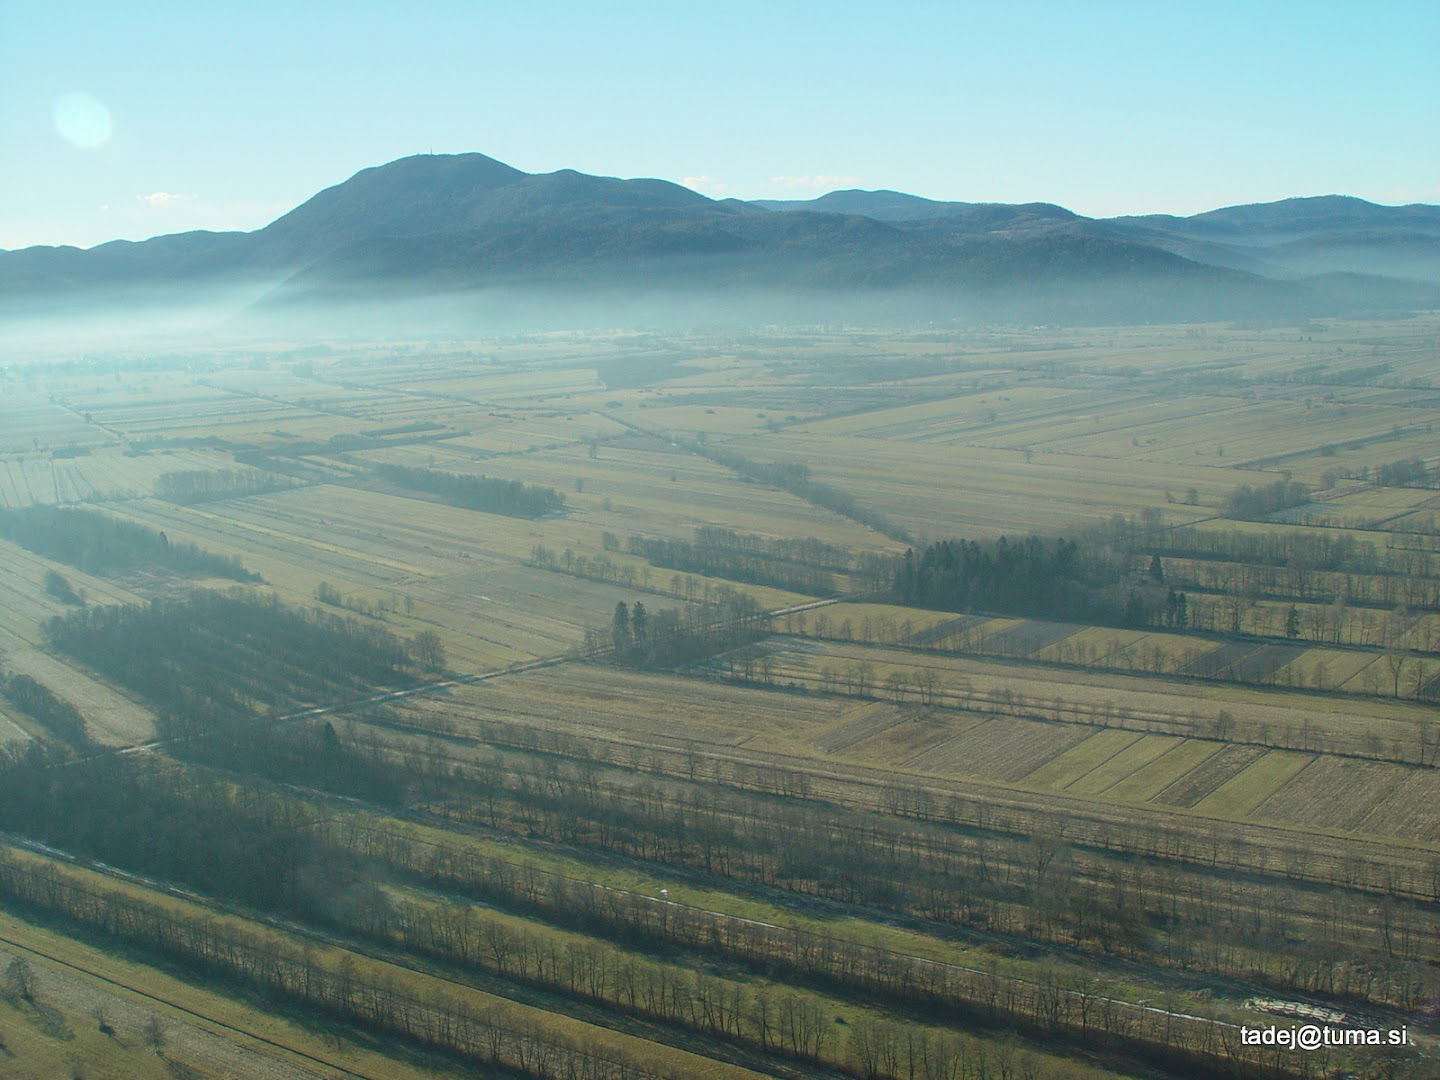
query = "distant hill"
x=404 y=198
x=1323 y=234
x=460 y=223
x=880 y=205
x=1256 y=222
x=896 y=206
x=428 y=195
x=176 y=257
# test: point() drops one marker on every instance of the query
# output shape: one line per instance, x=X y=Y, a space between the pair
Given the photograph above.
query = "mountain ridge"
x=469 y=221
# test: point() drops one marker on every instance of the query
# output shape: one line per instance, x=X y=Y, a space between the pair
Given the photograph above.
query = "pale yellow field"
x=656 y=491
x=980 y=492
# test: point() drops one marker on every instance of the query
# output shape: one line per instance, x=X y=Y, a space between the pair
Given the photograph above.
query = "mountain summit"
x=436 y=193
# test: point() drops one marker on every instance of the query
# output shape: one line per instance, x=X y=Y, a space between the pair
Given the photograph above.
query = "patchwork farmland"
x=640 y=705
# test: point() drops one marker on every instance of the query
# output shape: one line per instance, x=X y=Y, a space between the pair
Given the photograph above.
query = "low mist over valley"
x=939 y=579
x=457 y=244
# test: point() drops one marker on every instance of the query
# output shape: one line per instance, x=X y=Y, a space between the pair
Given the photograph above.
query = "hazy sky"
x=132 y=119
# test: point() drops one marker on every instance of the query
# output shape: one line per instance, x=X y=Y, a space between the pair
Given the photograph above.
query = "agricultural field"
x=634 y=722
x=985 y=491
x=103 y=475
x=1102 y=740
x=461 y=574
x=189 y=410
x=31 y=421
x=647 y=486
x=1138 y=426
x=1385 y=658
x=1368 y=508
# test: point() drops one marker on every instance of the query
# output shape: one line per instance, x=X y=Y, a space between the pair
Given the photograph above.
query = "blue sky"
x=129 y=120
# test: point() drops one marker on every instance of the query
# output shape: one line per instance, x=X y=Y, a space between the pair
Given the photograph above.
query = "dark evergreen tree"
x=620 y=630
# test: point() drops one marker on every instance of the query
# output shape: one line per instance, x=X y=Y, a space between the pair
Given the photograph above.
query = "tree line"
x=795 y=477
x=489 y=494
x=274 y=852
x=1399 y=668
x=224 y=839
x=1054 y=578
x=192 y=486
x=580 y=807
x=1296 y=548
x=1257 y=503
x=674 y=637
x=99 y=544
x=496 y=1036
x=271 y=851
x=39 y=703
x=1410 y=472
x=808 y=566
x=923 y=685
x=1069 y=1004
x=1209 y=845
x=1036 y=884
x=207 y=655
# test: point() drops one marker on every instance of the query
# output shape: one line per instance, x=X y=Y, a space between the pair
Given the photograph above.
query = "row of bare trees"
x=1037 y=886
x=1060 y=1002
x=929 y=687
x=491 y=1035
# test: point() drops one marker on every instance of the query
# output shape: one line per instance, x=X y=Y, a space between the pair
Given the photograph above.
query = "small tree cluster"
x=675 y=637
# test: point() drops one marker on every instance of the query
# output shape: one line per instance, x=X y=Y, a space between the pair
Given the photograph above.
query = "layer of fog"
x=245 y=314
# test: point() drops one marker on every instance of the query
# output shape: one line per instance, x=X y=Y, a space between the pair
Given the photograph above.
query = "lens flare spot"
x=82 y=120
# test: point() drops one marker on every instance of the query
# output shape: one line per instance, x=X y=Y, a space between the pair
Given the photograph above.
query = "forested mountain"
x=1292 y=237
x=459 y=223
